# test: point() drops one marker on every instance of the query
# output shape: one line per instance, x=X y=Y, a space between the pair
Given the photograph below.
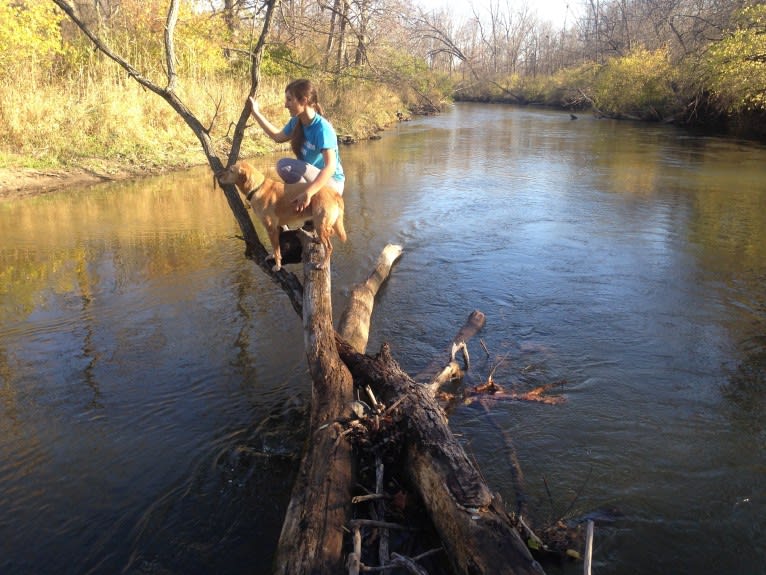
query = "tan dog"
x=272 y=202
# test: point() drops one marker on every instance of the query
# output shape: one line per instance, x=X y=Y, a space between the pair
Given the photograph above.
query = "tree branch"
x=255 y=249
x=170 y=51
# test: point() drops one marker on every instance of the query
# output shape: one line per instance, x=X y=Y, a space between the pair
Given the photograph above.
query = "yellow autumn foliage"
x=736 y=65
x=30 y=37
x=640 y=83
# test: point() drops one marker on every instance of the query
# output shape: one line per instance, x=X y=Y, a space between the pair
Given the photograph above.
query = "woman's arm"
x=269 y=129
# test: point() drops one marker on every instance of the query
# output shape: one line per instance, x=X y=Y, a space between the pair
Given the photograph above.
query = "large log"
x=354 y=325
x=475 y=529
x=311 y=541
x=312 y=533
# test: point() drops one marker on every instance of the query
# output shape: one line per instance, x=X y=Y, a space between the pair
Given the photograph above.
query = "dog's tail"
x=340 y=230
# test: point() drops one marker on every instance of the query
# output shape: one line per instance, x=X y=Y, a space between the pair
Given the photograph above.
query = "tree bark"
x=312 y=533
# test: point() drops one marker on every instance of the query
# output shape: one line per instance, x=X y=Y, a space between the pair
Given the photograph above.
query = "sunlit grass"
x=106 y=116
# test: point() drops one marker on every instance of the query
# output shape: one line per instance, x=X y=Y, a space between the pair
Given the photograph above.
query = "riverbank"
x=17 y=182
x=27 y=182
x=70 y=136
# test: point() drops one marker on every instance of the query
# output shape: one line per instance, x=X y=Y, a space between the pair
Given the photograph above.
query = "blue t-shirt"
x=319 y=135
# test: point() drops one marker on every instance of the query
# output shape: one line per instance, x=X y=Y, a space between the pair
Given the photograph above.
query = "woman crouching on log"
x=312 y=138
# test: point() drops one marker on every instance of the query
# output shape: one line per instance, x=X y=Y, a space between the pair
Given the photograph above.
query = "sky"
x=558 y=12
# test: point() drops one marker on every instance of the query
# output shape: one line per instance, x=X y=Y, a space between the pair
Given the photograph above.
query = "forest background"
x=65 y=106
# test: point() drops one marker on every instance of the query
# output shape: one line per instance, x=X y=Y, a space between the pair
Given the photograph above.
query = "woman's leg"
x=293 y=171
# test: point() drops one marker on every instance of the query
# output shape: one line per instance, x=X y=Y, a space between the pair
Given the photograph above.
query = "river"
x=153 y=385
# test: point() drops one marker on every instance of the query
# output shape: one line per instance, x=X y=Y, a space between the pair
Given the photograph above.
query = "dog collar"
x=252 y=192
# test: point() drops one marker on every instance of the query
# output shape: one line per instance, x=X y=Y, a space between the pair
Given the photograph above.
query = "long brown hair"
x=302 y=89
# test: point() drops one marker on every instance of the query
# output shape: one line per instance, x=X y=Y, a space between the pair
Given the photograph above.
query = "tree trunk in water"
x=477 y=534
x=312 y=534
x=436 y=373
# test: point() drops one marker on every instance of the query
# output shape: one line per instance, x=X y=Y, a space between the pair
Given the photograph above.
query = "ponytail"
x=296 y=139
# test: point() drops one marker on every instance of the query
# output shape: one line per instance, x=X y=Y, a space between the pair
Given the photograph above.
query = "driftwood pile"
x=400 y=423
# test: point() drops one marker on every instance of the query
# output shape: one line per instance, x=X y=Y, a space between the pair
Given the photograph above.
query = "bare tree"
x=615 y=27
x=364 y=13
x=335 y=11
x=340 y=59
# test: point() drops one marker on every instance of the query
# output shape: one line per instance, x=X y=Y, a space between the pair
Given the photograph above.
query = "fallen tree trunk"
x=354 y=326
x=311 y=540
x=475 y=529
x=312 y=533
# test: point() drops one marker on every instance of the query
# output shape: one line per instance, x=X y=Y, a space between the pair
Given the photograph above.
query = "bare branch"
x=170 y=55
x=255 y=80
x=166 y=93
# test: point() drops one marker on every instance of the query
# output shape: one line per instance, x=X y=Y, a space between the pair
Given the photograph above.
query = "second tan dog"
x=272 y=202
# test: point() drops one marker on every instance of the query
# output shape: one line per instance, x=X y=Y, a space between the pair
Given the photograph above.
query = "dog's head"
x=242 y=175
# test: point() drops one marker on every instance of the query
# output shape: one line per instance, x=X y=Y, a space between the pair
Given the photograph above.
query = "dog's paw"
x=277 y=264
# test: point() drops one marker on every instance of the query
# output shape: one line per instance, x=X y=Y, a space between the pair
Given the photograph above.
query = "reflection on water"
x=153 y=384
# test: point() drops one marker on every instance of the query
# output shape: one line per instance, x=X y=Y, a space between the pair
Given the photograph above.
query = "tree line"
x=691 y=61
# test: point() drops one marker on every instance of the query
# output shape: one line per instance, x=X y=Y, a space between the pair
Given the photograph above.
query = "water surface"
x=153 y=385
